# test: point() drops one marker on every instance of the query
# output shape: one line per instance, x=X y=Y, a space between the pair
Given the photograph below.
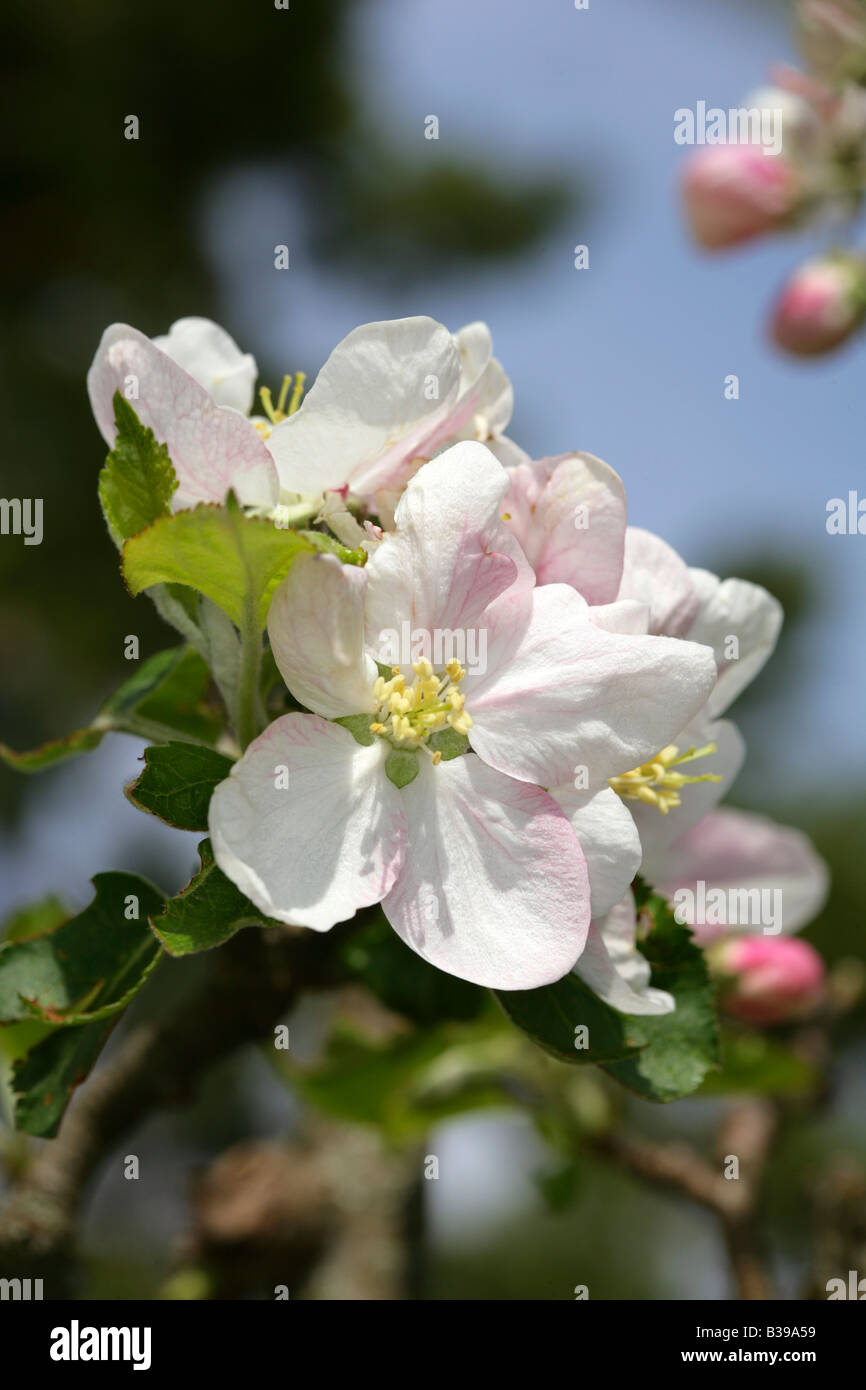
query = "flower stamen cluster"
x=655 y=784
x=408 y=714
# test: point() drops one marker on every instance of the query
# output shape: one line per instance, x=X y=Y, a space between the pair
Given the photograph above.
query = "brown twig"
x=745 y=1134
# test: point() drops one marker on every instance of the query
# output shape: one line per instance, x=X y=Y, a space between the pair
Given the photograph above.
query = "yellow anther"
x=284 y=390
x=655 y=784
x=409 y=711
x=300 y=378
x=437 y=758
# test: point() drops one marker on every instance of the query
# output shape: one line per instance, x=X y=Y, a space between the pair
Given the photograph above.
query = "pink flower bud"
x=767 y=979
x=734 y=192
x=821 y=305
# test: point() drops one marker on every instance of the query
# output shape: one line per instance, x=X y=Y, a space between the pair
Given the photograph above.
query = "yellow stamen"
x=655 y=784
x=408 y=712
x=300 y=378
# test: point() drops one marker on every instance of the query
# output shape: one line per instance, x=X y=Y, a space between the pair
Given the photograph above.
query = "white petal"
x=485 y=399
x=212 y=356
x=624 y=615
x=614 y=968
x=697 y=799
x=575 y=696
x=330 y=842
x=654 y=573
x=736 y=850
x=609 y=840
x=450 y=557
x=212 y=449
x=381 y=393
x=569 y=514
x=494 y=887
x=316 y=631
x=734 y=608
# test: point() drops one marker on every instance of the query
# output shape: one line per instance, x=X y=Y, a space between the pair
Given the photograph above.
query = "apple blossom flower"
x=569 y=515
x=733 y=193
x=390 y=396
x=430 y=796
x=729 y=860
x=212 y=356
x=766 y=980
x=213 y=447
x=737 y=855
x=821 y=305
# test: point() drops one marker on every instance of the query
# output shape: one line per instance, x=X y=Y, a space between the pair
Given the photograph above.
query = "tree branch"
x=253 y=980
x=746 y=1133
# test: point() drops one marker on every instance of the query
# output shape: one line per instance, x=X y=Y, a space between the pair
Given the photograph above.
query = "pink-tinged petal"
x=575 y=696
x=614 y=968
x=213 y=357
x=625 y=615
x=212 y=448
x=485 y=399
x=380 y=395
x=450 y=557
x=697 y=799
x=510 y=455
x=569 y=514
x=316 y=631
x=740 y=851
x=609 y=840
x=330 y=842
x=741 y=622
x=653 y=573
x=494 y=886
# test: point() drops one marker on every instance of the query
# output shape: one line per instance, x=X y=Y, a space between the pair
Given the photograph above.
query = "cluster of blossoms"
x=513 y=705
x=815 y=175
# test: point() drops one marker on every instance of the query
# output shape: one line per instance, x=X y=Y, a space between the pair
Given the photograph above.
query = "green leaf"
x=662 y=1057
x=208 y=911
x=556 y=1015
x=138 y=479
x=57 y=750
x=406 y=983
x=174 y=690
x=67 y=988
x=165 y=697
x=45 y=1077
x=402 y=766
x=178 y=782
x=680 y=1048
x=89 y=967
x=402 y=1086
x=235 y=560
x=34 y=920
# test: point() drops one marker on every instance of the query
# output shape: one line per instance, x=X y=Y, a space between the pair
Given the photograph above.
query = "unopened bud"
x=821 y=305
x=735 y=192
x=767 y=979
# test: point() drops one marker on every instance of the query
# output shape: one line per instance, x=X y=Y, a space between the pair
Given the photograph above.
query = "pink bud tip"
x=767 y=979
x=821 y=305
x=735 y=192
